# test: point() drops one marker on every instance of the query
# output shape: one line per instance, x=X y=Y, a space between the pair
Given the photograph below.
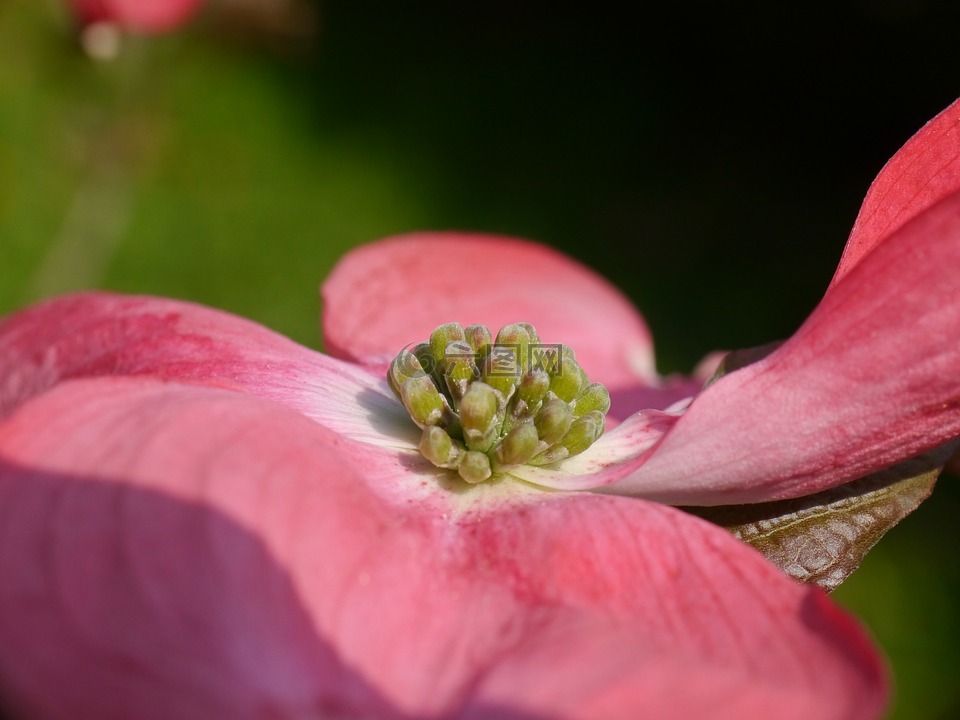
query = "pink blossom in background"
x=202 y=519
x=144 y=16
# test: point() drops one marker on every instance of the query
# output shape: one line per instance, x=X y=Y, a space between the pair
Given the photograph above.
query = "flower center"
x=487 y=406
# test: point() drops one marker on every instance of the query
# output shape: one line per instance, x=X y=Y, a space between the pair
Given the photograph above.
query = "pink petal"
x=146 y=16
x=870 y=379
x=388 y=294
x=96 y=334
x=174 y=551
x=923 y=172
x=619 y=452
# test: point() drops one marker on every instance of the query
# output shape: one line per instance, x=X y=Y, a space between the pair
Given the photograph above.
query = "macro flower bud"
x=533 y=387
x=517 y=338
x=422 y=400
x=565 y=378
x=459 y=369
x=478 y=337
x=594 y=397
x=439 y=448
x=487 y=408
x=440 y=338
x=554 y=420
x=479 y=416
x=517 y=446
x=404 y=366
x=474 y=467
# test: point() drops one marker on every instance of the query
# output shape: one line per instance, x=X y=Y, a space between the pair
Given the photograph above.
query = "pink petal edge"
x=387 y=294
x=923 y=172
x=867 y=381
x=179 y=551
x=94 y=334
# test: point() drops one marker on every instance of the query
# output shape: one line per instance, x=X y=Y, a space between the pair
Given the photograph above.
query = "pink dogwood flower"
x=142 y=16
x=202 y=519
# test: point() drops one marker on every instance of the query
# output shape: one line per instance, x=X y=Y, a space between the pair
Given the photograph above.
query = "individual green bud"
x=404 y=366
x=506 y=385
x=479 y=338
x=553 y=421
x=533 y=387
x=518 y=445
x=425 y=356
x=593 y=397
x=439 y=448
x=474 y=467
x=583 y=432
x=531 y=332
x=584 y=380
x=565 y=379
x=422 y=400
x=500 y=369
x=553 y=357
x=459 y=369
x=480 y=416
x=516 y=338
x=440 y=338
x=526 y=402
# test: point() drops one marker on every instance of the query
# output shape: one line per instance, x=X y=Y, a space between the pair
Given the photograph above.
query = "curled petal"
x=215 y=555
x=923 y=172
x=388 y=294
x=870 y=379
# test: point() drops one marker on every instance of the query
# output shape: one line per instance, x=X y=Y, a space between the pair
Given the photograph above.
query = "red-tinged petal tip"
x=923 y=172
x=869 y=380
x=175 y=551
x=142 y=16
x=385 y=295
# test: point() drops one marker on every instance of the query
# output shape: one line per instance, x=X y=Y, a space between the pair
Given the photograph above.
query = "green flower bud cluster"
x=486 y=406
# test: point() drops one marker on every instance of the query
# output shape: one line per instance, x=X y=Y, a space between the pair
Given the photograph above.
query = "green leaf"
x=822 y=538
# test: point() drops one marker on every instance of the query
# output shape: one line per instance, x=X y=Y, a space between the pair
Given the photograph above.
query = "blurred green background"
x=710 y=161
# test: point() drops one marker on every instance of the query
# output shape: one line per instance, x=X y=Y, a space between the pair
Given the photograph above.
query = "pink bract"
x=145 y=16
x=202 y=519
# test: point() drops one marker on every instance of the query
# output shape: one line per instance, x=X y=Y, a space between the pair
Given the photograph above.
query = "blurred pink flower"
x=143 y=16
x=200 y=518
